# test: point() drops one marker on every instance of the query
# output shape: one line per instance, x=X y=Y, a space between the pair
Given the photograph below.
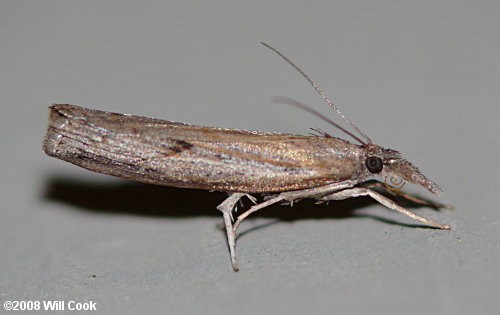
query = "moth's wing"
x=110 y=122
x=181 y=155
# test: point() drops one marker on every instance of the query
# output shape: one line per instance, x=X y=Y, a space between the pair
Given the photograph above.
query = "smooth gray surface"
x=418 y=76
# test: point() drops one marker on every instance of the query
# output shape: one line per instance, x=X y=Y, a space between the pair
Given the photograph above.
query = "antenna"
x=326 y=99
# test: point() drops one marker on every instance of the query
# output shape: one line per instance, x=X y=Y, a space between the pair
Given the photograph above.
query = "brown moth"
x=283 y=167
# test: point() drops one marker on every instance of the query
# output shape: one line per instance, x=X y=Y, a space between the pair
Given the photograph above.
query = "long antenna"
x=326 y=99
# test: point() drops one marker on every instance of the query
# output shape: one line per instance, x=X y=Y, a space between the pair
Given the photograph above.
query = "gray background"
x=418 y=76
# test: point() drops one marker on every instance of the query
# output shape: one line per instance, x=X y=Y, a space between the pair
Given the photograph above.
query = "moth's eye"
x=374 y=164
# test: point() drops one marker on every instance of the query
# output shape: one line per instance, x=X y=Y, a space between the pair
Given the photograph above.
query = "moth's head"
x=388 y=163
x=378 y=160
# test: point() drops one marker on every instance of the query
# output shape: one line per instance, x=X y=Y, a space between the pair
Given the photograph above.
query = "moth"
x=284 y=168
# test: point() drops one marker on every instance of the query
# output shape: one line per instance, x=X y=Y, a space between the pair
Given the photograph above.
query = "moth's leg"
x=358 y=192
x=255 y=208
x=250 y=197
x=229 y=204
x=226 y=207
x=415 y=199
x=292 y=196
x=231 y=239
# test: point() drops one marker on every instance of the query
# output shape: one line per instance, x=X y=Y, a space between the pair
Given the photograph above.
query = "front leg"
x=395 y=192
x=358 y=192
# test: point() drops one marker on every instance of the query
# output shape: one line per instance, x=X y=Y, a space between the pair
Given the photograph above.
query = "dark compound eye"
x=374 y=164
